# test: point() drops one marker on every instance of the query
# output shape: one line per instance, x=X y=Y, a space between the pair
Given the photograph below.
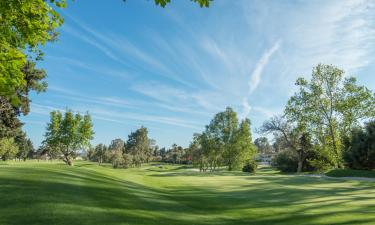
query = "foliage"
x=24 y=27
x=286 y=161
x=290 y=137
x=25 y=146
x=100 y=152
x=328 y=107
x=8 y=148
x=359 y=150
x=250 y=166
x=138 y=146
x=67 y=134
x=263 y=146
x=224 y=142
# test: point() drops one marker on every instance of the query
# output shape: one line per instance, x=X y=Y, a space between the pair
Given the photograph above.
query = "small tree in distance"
x=67 y=134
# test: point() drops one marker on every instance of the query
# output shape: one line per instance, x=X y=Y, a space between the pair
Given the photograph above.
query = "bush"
x=359 y=152
x=250 y=166
x=8 y=148
x=286 y=161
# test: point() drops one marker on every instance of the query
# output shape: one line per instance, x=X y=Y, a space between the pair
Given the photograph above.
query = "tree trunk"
x=67 y=160
x=300 y=164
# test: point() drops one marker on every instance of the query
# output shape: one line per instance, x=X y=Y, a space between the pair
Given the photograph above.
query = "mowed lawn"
x=52 y=193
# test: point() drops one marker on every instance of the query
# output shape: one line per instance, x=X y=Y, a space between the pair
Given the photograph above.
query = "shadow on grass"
x=79 y=196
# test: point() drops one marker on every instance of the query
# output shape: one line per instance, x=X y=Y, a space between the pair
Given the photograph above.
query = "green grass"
x=52 y=193
x=351 y=173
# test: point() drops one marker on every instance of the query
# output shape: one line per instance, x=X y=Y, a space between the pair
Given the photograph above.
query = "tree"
x=25 y=146
x=138 y=146
x=359 y=152
x=100 y=152
x=25 y=26
x=117 y=145
x=224 y=142
x=221 y=133
x=328 y=106
x=242 y=149
x=295 y=139
x=263 y=145
x=8 y=148
x=68 y=134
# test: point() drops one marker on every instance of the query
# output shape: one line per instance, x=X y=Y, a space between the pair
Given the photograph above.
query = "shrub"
x=286 y=161
x=250 y=166
x=8 y=148
x=359 y=151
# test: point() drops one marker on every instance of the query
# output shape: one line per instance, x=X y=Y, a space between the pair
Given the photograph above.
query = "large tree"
x=328 y=106
x=67 y=134
x=296 y=140
x=224 y=142
x=138 y=146
x=25 y=26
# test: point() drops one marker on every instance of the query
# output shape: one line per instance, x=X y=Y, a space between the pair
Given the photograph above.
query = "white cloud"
x=263 y=61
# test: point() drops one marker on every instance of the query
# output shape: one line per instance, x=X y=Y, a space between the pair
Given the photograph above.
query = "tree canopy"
x=67 y=134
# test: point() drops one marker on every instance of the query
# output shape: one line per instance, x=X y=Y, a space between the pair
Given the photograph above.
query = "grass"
x=351 y=173
x=52 y=193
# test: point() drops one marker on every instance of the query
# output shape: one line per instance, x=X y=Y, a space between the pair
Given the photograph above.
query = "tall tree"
x=222 y=130
x=24 y=27
x=25 y=146
x=138 y=146
x=328 y=106
x=242 y=148
x=100 y=152
x=224 y=142
x=67 y=134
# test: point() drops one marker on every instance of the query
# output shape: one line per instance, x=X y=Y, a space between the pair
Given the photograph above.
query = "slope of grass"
x=351 y=173
x=52 y=193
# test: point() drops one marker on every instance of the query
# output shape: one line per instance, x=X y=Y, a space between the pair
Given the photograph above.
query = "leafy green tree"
x=359 y=152
x=10 y=124
x=328 y=106
x=8 y=148
x=100 y=152
x=67 y=134
x=242 y=149
x=25 y=26
x=25 y=146
x=117 y=145
x=222 y=131
x=224 y=142
x=138 y=146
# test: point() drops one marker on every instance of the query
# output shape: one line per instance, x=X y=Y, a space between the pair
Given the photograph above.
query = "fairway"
x=53 y=193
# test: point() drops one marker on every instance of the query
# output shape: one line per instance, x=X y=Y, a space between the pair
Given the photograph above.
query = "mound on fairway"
x=52 y=193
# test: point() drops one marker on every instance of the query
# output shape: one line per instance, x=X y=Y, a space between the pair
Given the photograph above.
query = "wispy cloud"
x=255 y=77
x=263 y=61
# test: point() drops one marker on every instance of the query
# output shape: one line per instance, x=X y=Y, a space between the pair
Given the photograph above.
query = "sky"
x=132 y=64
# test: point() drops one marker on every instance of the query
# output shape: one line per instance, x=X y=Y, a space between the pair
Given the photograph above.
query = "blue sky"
x=171 y=69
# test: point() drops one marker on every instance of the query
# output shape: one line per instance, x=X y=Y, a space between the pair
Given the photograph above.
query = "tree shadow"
x=73 y=195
